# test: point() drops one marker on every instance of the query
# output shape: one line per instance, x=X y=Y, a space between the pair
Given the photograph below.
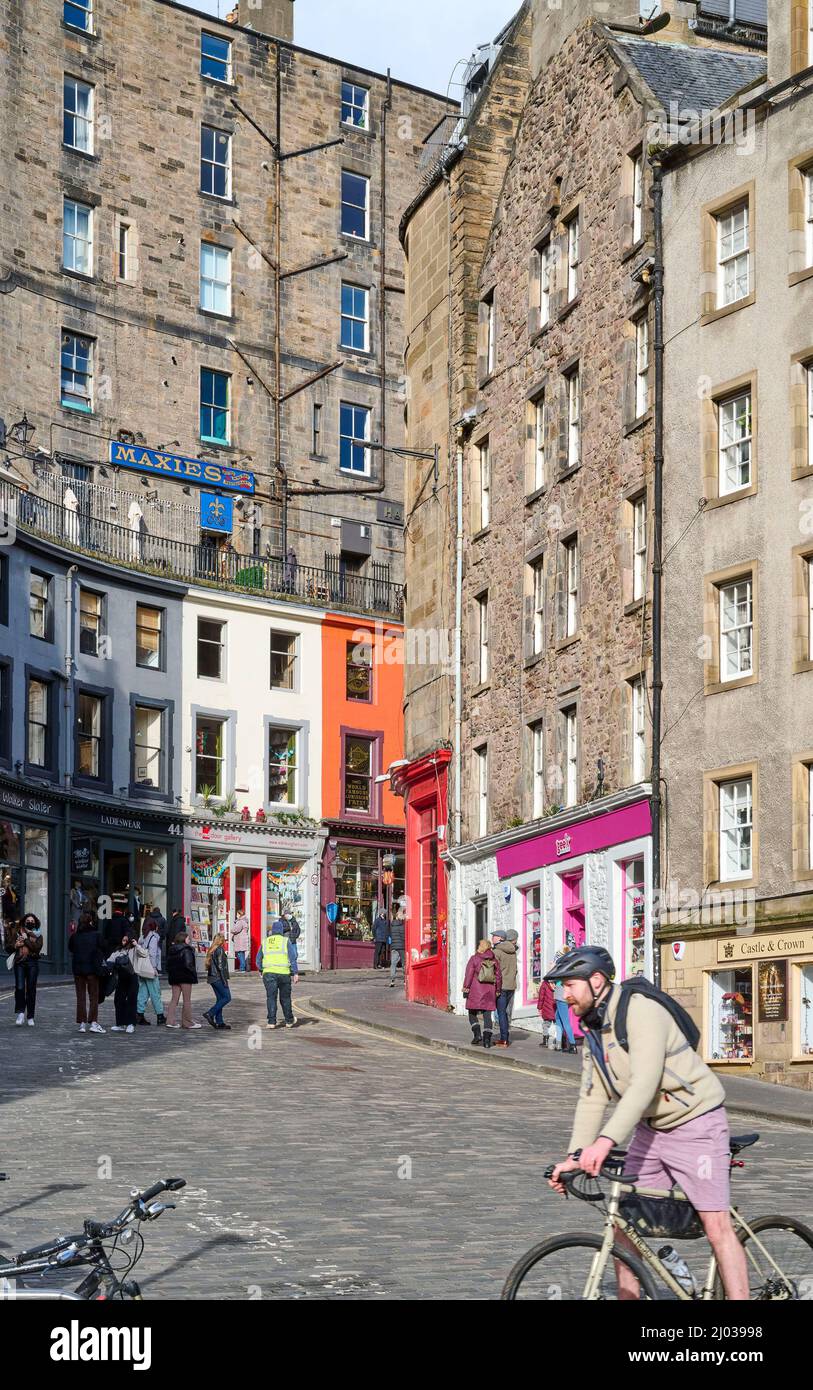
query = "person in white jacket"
x=147 y=967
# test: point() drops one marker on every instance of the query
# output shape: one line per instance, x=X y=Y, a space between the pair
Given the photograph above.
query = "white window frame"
x=572 y=586
x=637 y=198
x=228 y=79
x=353 y=317
x=215 y=291
x=74 y=399
x=574 y=425
x=641 y=366
x=365 y=207
x=571 y=785
x=538 y=601
x=546 y=264
x=733 y=257
x=639 y=547
x=491 y=333
x=538 y=770
x=810 y=815
x=735 y=442
x=481 y=756
x=123 y=265
x=573 y=254
x=215 y=163
x=539 y=443
x=155 y=712
x=83 y=122
x=364 y=108
x=87 y=6
x=638 y=714
x=740 y=630
x=220 y=644
x=223 y=759
x=736 y=812
x=482 y=639
x=810 y=608
x=297 y=769
x=72 y=238
x=484 y=482
x=292 y=657
x=356 y=441
x=807 y=184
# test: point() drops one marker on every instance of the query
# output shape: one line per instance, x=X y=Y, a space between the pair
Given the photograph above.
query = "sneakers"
x=130 y=1028
x=31 y=1023
x=117 y=1028
x=293 y=1023
x=83 y=1027
x=270 y=1025
x=502 y=1044
x=20 y=1020
x=97 y=1028
x=173 y=1025
x=194 y=1025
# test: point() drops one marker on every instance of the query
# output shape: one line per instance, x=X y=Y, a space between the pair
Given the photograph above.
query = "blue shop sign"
x=185 y=470
x=216 y=513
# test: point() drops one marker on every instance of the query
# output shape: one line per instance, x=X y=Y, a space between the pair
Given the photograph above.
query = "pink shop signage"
x=596 y=833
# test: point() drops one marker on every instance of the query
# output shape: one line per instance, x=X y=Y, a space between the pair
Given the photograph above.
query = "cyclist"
x=664 y=1092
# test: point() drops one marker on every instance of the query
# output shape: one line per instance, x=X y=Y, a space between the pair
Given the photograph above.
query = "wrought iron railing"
x=215 y=565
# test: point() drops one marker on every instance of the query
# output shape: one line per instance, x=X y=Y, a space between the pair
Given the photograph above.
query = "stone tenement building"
x=199 y=256
x=550 y=433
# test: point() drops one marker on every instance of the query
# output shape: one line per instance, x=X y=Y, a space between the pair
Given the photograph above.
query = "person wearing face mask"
x=25 y=941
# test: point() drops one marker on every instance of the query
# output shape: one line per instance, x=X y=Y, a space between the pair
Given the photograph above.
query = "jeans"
x=240 y=957
x=278 y=985
x=380 y=952
x=222 y=998
x=397 y=957
x=87 y=998
x=149 y=992
x=504 y=1001
x=125 y=999
x=487 y=1019
x=25 y=986
x=563 y=1022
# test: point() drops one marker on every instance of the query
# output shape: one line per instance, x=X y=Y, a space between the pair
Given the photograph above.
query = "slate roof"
x=700 y=79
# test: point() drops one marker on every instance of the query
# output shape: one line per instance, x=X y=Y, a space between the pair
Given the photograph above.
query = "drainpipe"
x=657 y=560
x=460 y=932
x=67 y=703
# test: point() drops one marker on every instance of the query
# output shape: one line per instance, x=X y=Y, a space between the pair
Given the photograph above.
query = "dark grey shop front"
x=49 y=843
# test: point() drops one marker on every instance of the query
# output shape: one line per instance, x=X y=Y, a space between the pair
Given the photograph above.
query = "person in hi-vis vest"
x=277 y=959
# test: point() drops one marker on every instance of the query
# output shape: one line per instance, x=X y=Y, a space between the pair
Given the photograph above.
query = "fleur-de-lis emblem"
x=217 y=510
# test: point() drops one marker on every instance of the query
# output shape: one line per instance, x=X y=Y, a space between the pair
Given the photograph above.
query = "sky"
x=421 y=40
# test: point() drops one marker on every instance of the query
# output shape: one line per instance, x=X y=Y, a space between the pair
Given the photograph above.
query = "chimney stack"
x=272 y=17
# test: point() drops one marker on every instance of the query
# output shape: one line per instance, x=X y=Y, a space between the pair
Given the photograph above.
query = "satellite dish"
x=659 y=21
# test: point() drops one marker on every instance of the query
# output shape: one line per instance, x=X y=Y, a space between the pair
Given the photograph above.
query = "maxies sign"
x=186 y=470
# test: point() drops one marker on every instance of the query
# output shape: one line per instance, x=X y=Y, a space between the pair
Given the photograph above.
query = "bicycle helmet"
x=581 y=963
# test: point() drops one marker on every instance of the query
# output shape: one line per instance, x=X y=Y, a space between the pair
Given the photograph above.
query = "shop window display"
x=356 y=893
x=634 y=917
x=532 y=932
x=731 y=1016
x=806 y=1012
x=24 y=873
x=151 y=876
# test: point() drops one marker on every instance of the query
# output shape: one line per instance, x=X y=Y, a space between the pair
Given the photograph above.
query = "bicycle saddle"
x=742 y=1141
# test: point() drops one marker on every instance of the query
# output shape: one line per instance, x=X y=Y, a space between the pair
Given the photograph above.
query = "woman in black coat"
x=182 y=975
x=85 y=947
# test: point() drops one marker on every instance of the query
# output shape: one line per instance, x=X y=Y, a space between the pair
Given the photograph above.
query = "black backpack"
x=640 y=985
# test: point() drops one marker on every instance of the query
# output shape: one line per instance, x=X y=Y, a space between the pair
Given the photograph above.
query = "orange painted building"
x=362 y=736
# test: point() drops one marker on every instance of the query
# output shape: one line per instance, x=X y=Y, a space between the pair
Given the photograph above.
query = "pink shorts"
x=694 y=1156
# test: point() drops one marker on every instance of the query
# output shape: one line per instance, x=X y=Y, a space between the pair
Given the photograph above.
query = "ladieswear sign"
x=175 y=466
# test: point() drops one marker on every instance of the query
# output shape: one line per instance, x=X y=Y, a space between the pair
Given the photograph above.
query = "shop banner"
x=770 y=947
x=207 y=873
x=599 y=832
x=187 y=470
x=80 y=856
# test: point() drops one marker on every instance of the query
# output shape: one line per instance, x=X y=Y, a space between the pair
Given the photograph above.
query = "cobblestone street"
x=292 y=1152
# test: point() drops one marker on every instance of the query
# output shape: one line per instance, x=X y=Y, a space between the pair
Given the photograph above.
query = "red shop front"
x=424 y=787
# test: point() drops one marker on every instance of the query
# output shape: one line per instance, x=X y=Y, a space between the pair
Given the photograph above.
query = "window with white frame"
x=538 y=770
x=733 y=255
x=573 y=251
x=734 y=431
x=148 y=747
x=215 y=406
x=355 y=211
x=638 y=712
x=210 y=755
x=215 y=57
x=807 y=184
x=76 y=375
x=124 y=260
x=637 y=198
x=77 y=115
x=355 y=105
x=809 y=389
x=215 y=162
x=571 y=743
x=78 y=14
x=354 y=438
x=639 y=547
x=574 y=427
x=484 y=483
x=482 y=639
x=481 y=784
x=641 y=366
x=77 y=237
x=538 y=602
x=283 y=765
x=89 y=735
x=546 y=266
x=736 y=827
x=215 y=278
x=211 y=648
x=491 y=332
x=810 y=608
x=736 y=629
x=284 y=656
x=572 y=586
x=809 y=771
x=806 y=1011
x=355 y=333
x=539 y=442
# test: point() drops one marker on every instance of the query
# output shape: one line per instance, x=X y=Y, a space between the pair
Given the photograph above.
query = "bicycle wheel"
x=558 y=1270
x=790 y=1244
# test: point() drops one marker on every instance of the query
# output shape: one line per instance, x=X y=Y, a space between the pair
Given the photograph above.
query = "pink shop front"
x=585 y=880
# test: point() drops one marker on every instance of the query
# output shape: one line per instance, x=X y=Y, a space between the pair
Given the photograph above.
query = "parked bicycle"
x=577 y=1266
x=53 y=1270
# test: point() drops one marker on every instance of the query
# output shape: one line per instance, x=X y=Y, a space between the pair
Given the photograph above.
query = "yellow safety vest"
x=275 y=956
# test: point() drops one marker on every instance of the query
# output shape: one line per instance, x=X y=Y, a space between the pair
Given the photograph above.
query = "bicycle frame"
x=615 y=1222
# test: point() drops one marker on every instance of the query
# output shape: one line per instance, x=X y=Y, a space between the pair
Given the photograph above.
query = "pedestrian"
x=290 y=926
x=182 y=975
x=147 y=968
x=482 y=983
x=78 y=902
x=125 y=997
x=506 y=953
x=85 y=947
x=397 y=948
x=564 y=1032
x=241 y=942
x=177 y=922
x=117 y=927
x=381 y=935
x=24 y=941
x=277 y=959
x=546 y=1008
x=217 y=973
x=138 y=908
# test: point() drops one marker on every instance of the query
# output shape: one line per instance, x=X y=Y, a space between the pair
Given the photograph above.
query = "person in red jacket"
x=481 y=994
x=546 y=1008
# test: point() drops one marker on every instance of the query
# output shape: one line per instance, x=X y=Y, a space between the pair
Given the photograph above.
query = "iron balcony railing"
x=221 y=567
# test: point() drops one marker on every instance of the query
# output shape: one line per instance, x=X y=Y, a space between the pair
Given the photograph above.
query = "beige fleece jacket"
x=661 y=1079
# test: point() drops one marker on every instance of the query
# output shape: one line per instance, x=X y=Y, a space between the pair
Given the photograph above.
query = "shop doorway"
x=117 y=875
